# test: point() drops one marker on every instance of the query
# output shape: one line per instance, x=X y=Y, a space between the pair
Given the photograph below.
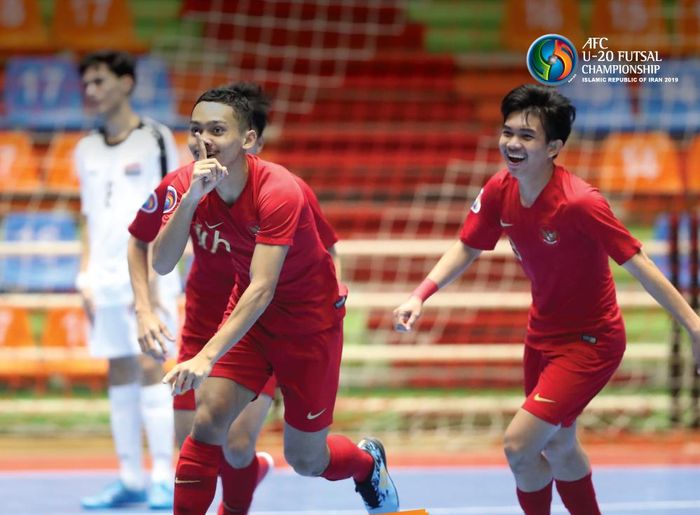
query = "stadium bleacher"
x=372 y=106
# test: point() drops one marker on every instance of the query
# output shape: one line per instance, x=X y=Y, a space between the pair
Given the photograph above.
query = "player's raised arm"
x=171 y=241
x=450 y=266
x=654 y=281
x=265 y=269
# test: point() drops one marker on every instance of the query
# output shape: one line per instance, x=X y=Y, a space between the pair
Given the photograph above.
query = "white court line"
x=611 y=507
x=617 y=507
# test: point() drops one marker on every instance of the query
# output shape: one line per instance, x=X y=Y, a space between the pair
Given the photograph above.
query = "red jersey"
x=562 y=242
x=272 y=209
x=211 y=276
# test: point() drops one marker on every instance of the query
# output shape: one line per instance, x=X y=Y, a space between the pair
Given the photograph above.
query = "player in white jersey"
x=118 y=166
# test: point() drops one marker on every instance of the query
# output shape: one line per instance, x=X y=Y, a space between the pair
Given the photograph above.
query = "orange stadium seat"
x=58 y=163
x=631 y=25
x=20 y=360
x=692 y=174
x=526 y=21
x=635 y=164
x=19 y=168
x=95 y=25
x=687 y=18
x=21 y=28
x=64 y=345
x=15 y=330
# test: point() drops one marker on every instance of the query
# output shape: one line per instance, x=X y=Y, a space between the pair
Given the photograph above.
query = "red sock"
x=347 y=460
x=238 y=486
x=536 y=503
x=195 y=477
x=579 y=496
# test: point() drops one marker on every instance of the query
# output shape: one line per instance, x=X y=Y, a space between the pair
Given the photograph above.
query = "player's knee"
x=303 y=463
x=152 y=371
x=517 y=453
x=239 y=449
x=125 y=370
x=558 y=450
x=211 y=418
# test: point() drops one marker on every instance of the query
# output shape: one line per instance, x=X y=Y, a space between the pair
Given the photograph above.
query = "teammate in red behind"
x=562 y=231
x=284 y=315
x=209 y=285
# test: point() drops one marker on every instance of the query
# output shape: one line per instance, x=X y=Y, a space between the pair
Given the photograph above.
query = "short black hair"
x=248 y=101
x=555 y=111
x=119 y=63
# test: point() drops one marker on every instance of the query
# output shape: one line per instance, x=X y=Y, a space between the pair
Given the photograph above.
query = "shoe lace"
x=368 y=492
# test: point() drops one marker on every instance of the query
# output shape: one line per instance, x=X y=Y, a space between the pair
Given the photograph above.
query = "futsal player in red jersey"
x=284 y=315
x=243 y=469
x=562 y=231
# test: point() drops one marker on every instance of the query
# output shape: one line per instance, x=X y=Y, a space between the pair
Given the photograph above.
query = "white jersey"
x=115 y=180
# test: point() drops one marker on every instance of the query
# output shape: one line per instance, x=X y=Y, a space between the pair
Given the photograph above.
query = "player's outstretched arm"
x=450 y=266
x=265 y=270
x=152 y=331
x=648 y=274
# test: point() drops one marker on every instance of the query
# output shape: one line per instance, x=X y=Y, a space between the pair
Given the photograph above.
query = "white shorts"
x=114 y=333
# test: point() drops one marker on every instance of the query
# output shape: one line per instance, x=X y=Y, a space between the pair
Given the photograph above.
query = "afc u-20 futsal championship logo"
x=552 y=59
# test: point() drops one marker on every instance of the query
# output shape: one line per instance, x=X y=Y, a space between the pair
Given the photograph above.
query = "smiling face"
x=104 y=90
x=524 y=147
x=221 y=132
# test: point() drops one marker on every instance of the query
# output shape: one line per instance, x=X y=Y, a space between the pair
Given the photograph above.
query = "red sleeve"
x=147 y=222
x=174 y=191
x=280 y=202
x=325 y=230
x=596 y=220
x=481 y=229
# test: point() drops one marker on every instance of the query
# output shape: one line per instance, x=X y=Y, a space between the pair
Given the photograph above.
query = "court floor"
x=647 y=490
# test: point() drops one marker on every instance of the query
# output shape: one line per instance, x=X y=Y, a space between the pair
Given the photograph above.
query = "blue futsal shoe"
x=114 y=495
x=378 y=490
x=160 y=496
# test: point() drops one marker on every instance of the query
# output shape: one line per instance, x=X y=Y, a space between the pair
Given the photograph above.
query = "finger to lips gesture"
x=208 y=172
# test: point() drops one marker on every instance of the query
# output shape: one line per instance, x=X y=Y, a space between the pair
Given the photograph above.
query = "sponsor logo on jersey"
x=312 y=416
x=476 y=206
x=170 y=200
x=132 y=169
x=549 y=236
x=217 y=241
x=151 y=203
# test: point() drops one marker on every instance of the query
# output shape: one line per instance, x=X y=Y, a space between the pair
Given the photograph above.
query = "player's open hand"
x=188 y=375
x=207 y=173
x=152 y=335
x=407 y=314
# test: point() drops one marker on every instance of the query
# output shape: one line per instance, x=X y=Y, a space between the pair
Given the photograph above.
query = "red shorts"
x=559 y=383
x=307 y=368
x=189 y=347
